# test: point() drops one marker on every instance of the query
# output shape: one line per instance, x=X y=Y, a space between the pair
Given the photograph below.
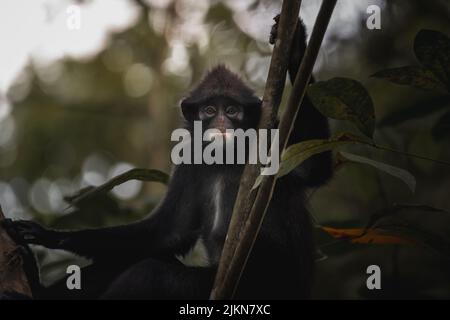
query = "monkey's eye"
x=231 y=111
x=209 y=110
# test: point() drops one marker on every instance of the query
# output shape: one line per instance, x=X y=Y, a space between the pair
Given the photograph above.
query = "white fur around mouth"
x=222 y=135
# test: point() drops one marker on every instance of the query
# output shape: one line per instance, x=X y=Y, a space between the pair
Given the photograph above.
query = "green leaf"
x=441 y=129
x=414 y=76
x=402 y=174
x=296 y=154
x=432 y=49
x=133 y=174
x=344 y=99
x=257 y=182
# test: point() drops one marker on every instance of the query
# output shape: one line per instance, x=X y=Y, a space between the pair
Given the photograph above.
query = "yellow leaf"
x=360 y=235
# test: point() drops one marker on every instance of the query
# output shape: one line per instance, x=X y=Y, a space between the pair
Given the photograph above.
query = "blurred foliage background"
x=80 y=119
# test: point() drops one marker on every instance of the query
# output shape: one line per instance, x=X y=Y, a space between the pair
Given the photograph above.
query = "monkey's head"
x=221 y=101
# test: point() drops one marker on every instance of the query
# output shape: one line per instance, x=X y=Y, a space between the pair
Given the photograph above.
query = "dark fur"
x=219 y=82
x=137 y=260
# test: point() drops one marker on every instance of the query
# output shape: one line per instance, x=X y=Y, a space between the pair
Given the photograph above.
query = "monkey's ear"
x=189 y=109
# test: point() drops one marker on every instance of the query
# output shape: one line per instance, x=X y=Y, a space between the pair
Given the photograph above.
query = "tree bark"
x=241 y=237
x=271 y=100
x=12 y=275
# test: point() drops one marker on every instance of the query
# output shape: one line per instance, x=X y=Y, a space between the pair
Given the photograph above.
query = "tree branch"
x=227 y=280
x=12 y=276
x=271 y=101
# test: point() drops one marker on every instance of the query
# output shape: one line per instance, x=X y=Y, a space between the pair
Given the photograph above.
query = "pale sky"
x=39 y=29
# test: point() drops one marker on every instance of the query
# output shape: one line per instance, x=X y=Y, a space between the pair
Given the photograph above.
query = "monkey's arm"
x=90 y=243
x=310 y=123
x=151 y=236
x=139 y=239
x=143 y=238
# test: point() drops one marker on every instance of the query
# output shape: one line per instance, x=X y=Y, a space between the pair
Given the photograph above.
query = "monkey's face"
x=221 y=114
x=221 y=101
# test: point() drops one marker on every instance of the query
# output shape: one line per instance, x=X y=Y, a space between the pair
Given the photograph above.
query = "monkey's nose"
x=224 y=133
x=222 y=130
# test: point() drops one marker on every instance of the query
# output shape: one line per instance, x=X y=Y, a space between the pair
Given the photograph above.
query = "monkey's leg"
x=158 y=279
x=95 y=278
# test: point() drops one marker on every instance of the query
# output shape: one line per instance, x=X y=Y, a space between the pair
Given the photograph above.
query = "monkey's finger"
x=273 y=34
x=28 y=231
x=10 y=228
x=29 y=237
x=7 y=223
x=27 y=225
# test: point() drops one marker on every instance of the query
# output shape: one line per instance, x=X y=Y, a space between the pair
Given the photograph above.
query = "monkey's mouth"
x=224 y=136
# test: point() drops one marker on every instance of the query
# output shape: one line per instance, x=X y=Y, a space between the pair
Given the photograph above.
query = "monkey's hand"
x=298 y=45
x=274 y=30
x=29 y=232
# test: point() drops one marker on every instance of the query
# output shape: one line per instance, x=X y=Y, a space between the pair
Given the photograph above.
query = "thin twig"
x=408 y=154
x=227 y=286
x=271 y=101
